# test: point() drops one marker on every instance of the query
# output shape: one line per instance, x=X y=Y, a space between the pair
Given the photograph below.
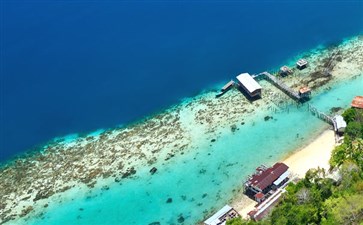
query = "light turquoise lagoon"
x=205 y=179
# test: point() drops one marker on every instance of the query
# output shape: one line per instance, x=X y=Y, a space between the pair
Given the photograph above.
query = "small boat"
x=225 y=88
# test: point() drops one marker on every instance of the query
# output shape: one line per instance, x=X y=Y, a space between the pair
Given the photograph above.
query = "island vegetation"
x=326 y=197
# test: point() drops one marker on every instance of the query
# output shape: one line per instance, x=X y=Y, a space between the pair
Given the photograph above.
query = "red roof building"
x=266 y=177
x=357 y=102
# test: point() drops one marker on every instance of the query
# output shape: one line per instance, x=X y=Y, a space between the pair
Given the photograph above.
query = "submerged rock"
x=43 y=194
x=155 y=223
x=267 y=118
x=181 y=218
x=233 y=128
x=169 y=200
x=131 y=171
x=153 y=170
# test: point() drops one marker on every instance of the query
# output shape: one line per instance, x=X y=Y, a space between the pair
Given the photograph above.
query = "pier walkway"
x=323 y=116
x=279 y=84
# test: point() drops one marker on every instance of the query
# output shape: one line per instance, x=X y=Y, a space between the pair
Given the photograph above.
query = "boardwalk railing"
x=280 y=85
x=322 y=116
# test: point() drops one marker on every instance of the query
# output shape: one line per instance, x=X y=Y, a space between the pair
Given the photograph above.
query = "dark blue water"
x=78 y=66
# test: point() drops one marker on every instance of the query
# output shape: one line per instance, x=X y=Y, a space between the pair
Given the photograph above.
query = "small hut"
x=285 y=70
x=301 y=64
x=305 y=92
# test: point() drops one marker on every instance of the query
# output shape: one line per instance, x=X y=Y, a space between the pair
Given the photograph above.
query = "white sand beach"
x=316 y=154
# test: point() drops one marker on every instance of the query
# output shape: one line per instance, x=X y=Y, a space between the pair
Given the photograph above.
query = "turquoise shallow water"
x=203 y=180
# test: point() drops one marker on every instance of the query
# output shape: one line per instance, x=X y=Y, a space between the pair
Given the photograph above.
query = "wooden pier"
x=225 y=88
x=280 y=85
x=323 y=117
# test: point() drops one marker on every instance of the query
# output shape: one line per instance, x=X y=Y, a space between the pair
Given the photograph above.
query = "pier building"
x=249 y=84
x=220 y=217
x=301 y=64
x=305 y=92
x=285 y=70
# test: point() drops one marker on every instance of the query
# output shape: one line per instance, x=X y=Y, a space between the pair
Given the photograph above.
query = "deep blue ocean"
x=74 y=67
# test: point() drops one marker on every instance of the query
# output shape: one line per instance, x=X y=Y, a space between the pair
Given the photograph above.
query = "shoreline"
x=117 y=154
x=316 y=153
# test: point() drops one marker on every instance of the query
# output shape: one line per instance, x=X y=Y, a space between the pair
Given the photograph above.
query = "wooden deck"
x=325 y=118
x=280 y=85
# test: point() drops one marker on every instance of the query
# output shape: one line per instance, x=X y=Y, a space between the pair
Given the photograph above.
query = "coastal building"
x=340 y=123
x=301 y=64
x=220 y=217
x=262 y=209
x=305 y=92
x=357 y=102
x=285 y=70
x=265 y=180
x=249 y=84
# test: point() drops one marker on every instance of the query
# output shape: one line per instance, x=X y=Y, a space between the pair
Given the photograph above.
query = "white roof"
x=281 y=178
x=248 y=82
x=214 y=220
x=340 y=122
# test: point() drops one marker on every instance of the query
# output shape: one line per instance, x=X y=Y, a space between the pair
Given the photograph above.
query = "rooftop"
x=357 y=102
x=285 y=69
x=301 y=62
x=340 y=121
x=265 y=178
x=214 y=220
x=304 y=90
x=248 y=82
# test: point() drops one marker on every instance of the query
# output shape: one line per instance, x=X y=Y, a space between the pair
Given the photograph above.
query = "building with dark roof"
x=266 y=179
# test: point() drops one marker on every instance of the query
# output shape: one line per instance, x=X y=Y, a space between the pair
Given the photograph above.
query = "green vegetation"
x=324 y=198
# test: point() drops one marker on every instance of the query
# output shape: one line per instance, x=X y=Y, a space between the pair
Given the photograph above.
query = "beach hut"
x=220 y=217
x=301 y=64
x=357 y=102
x=340 y=123
x=249 y=84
